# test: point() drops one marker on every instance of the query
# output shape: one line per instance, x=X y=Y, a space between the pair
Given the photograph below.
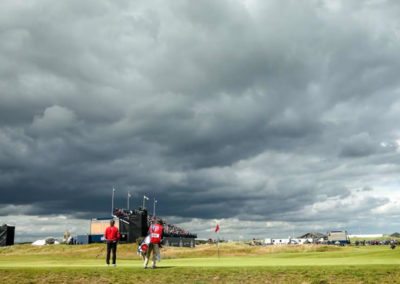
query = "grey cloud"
x=359 y=145
x=367 y=188
x=219 y=109
x=55 y=119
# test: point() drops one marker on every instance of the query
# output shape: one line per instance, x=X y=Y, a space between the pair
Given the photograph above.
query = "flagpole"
x=129 y=196
x=112 y=202
x=218 y=243
x=154 y=207
x=144 y=198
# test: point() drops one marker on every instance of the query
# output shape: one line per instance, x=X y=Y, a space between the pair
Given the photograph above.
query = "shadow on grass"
x=163 y=267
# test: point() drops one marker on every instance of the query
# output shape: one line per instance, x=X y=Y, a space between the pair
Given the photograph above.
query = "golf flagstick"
x=217 y=231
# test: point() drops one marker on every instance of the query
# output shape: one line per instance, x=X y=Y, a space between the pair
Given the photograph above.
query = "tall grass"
x=128 y=250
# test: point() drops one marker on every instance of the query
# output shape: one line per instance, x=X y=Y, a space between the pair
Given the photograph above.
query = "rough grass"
x=126 y=251
x=238 y=263
x=238 y=249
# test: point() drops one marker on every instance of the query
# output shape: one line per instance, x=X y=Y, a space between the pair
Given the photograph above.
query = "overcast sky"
x=273 y=118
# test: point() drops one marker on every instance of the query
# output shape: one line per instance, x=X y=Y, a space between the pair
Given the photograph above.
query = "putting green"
x=237 y=264
x=353 y=256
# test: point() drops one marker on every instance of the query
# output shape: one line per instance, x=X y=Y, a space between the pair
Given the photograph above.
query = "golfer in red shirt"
x=112 y=236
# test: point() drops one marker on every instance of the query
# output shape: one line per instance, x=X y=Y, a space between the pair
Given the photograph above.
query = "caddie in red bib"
x=156 y=234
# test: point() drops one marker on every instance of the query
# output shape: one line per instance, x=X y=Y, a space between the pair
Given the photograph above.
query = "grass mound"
x=127 y=251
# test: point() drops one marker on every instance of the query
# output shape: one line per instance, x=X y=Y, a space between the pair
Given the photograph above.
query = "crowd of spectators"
x=171 y=230
x=375 y=242
x=123 y=213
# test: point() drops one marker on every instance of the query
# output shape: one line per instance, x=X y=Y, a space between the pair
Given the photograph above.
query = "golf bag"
x=143 y=247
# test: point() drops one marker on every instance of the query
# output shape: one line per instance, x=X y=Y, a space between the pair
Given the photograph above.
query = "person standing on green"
x=112 y=236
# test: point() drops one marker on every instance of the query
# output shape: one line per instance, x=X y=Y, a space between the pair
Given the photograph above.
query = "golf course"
x=237 y=263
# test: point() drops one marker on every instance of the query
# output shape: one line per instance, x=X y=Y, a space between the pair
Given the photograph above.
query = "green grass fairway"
x=237 y=264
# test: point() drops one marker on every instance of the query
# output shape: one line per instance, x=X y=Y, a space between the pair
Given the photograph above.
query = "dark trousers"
x=111 y=246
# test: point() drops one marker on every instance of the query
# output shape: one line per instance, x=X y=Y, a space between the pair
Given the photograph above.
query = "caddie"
x=156 y=234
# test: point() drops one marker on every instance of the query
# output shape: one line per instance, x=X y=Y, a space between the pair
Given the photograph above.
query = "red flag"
x=217 y=228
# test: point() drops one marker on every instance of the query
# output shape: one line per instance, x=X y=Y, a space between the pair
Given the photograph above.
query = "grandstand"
x=135 y=223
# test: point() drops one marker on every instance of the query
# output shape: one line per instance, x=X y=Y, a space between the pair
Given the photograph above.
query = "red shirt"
x=112 y=234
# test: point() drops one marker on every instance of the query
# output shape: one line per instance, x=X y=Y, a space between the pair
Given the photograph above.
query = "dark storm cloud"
x=250 y=110
x=359 y=145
